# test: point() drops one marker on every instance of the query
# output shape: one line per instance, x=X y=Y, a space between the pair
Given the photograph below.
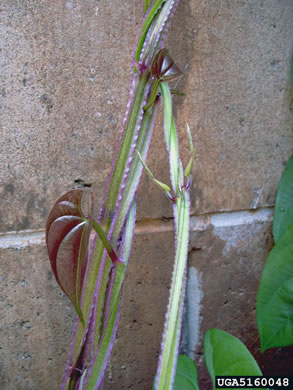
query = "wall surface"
x=65 y=71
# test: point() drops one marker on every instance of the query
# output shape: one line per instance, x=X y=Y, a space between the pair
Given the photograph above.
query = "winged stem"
x=172 y=327
x=103 y=279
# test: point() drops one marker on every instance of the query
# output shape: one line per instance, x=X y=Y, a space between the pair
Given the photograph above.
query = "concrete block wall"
x=65 y=70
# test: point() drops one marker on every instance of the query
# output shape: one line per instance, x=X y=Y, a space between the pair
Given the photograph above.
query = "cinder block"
x=237 y=59
x=36 y=321
x=65 y=85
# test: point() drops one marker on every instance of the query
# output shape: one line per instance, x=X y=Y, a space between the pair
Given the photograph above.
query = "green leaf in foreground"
x=226 y=355
x=283 y=216
x=186 y=374
x=274 y=309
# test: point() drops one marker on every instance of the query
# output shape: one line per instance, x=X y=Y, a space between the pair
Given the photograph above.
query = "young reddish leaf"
x=67 y=238
x=164 y=68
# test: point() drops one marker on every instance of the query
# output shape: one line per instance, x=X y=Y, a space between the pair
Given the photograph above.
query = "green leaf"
x=274 y=309
x=162 y=186
x=226 y=355
x=186 y=374
x=283 y=216
x=188 y=169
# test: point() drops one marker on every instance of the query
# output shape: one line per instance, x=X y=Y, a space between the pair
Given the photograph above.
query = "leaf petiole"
x=102 y=235
x=153 y=96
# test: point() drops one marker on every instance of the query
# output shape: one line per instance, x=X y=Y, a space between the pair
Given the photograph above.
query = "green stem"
x=114 y=188
x=172 y=328
x=153 y=95
x=146 y=27
x=127 y=141
x=153 y=29
x=168 y=357
x=115 y=299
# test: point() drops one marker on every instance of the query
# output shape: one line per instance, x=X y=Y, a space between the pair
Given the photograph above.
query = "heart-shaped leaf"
x=226 y=355
x=164 y=68
x=186 y=374
x=274 y=308
x=283 y=216
x=67 y=238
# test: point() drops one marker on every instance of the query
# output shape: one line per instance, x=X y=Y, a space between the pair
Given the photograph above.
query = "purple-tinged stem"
x=115 y=191
x=96 y=301
x=107 y=355
x=128 y=107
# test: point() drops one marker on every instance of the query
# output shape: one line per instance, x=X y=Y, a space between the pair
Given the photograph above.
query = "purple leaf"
x=164 y=68
x=67 y=238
